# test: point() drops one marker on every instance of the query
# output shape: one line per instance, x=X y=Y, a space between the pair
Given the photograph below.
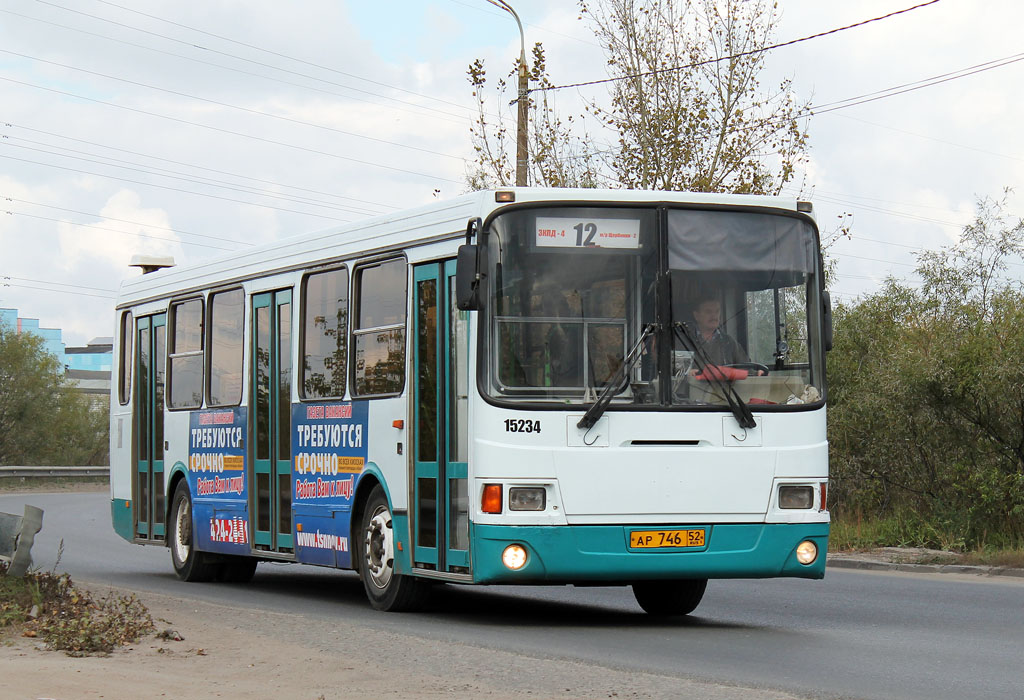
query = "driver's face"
x=708 y=316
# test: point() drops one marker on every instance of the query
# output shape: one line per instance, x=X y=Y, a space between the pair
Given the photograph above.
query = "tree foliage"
x=558 y=157
x=43 y=420
x=706 y=128
x=687 y=109
x=927 y=393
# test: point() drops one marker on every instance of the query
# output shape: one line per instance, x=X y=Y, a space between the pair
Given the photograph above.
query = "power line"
x=187 y=165
x=932 y=138
x=250 y=46
x=61 y=291
x=229 y=131
x=917 y=85
x=423 y=109
x=127 y=221
x=173 y=189
x=710 y=61
x=202 y=181
x=62 y=284
x=248 y=110
x=114 y=230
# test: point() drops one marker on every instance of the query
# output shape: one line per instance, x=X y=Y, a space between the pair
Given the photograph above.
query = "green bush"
x=926 y=419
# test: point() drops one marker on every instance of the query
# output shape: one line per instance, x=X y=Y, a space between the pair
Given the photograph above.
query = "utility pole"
x=522 y=144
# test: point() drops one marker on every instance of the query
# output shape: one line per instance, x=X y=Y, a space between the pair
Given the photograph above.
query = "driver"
x=720 y=347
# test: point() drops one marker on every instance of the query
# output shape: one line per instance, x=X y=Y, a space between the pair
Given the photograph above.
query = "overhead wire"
x=248 y=110
x=249 y=46
x=230 y=131
x=710 y=61
x=62 y=284
x=126 y=221
x=59 y=291
x=424 y=110
x=201 y=181
x=174 y=189
x=187 y=165
x=114 y=230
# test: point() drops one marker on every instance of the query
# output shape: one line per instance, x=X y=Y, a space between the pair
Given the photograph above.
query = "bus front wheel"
x=387 y=590
x=665 y=598
x=189 y=563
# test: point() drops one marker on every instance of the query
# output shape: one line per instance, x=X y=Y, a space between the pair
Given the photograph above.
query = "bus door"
x=440 y=506
x=148 y=428
x=270 y=502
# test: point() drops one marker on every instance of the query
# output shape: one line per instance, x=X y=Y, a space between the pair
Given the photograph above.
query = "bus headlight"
x=800 y=497
x=806 y=552
x=527 y=499
x=514 y=557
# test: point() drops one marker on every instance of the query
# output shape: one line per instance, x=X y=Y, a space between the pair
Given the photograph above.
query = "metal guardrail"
x=52 y=472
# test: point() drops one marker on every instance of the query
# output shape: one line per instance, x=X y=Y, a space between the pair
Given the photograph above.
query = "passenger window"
x=124 y=380
x=227 y=311
x=324 y=334
x=185 y=354
x=379 y=335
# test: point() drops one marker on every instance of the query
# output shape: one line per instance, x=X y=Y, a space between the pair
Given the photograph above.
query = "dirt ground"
x=228 y=652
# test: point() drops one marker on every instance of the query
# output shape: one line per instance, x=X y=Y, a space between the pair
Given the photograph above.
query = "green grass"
x=858 y=532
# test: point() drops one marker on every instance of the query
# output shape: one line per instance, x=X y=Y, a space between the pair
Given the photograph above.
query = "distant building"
x=52 y=337
x=97 y=356
x=89 y=366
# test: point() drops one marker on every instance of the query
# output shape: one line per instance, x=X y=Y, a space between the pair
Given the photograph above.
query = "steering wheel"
x=750 y=366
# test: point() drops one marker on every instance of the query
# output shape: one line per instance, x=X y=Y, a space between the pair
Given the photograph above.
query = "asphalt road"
x=855 y=634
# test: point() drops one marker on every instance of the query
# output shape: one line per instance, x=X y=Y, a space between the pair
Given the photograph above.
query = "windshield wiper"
x=595 y=412
x=740 y=410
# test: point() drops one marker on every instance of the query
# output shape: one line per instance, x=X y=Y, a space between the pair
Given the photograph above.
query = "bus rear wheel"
x=189 y=563
x=387 y=590
x=666 y=598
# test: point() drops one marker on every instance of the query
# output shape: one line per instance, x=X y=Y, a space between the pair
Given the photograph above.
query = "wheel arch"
x=177 y=474
x=370 y=478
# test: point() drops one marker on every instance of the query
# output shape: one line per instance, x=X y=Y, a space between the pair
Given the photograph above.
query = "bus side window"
x=226 y=323
x=185 y=355
x=324 y=334
x=378 y=335
x=124 y=379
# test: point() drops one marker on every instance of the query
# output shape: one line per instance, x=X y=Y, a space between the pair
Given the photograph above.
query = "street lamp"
x=521 y=142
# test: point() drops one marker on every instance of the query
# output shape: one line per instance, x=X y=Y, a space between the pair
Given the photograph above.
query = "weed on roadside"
x=48 y=606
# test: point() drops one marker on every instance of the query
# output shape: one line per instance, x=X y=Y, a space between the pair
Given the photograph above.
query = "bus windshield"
x=727 y=299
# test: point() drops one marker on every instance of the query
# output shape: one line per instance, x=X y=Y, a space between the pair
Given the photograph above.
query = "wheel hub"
x=380 y=557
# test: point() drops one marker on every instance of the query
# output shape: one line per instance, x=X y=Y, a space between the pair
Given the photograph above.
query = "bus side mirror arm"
x=467 y=270
x=826 y=303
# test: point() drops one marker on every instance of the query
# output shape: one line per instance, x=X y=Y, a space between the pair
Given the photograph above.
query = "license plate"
x=654 y=539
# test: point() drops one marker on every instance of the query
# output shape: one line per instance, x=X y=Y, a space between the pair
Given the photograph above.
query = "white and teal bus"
x=523 y=386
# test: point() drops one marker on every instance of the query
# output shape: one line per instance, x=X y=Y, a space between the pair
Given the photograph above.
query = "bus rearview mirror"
x=467 y=280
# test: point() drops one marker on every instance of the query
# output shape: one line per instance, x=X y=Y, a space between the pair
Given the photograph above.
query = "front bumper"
x=600 y=553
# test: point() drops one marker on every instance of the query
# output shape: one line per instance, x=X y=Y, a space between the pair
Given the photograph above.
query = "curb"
x=842 y=562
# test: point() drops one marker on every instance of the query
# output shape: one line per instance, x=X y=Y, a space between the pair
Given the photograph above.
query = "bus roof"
x=441 y=220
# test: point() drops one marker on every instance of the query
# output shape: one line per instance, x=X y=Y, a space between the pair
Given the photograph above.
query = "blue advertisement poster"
x=329 y=452
x=329 y=447
x=217 y=479
x=216 y=454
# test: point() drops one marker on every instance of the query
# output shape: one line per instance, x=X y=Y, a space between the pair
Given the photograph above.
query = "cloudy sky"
x=195 y=128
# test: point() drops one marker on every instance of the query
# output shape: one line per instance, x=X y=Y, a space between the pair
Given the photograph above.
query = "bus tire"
x=189 y=563
x=235 y=569
x=666 y=598
x=387 y=590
